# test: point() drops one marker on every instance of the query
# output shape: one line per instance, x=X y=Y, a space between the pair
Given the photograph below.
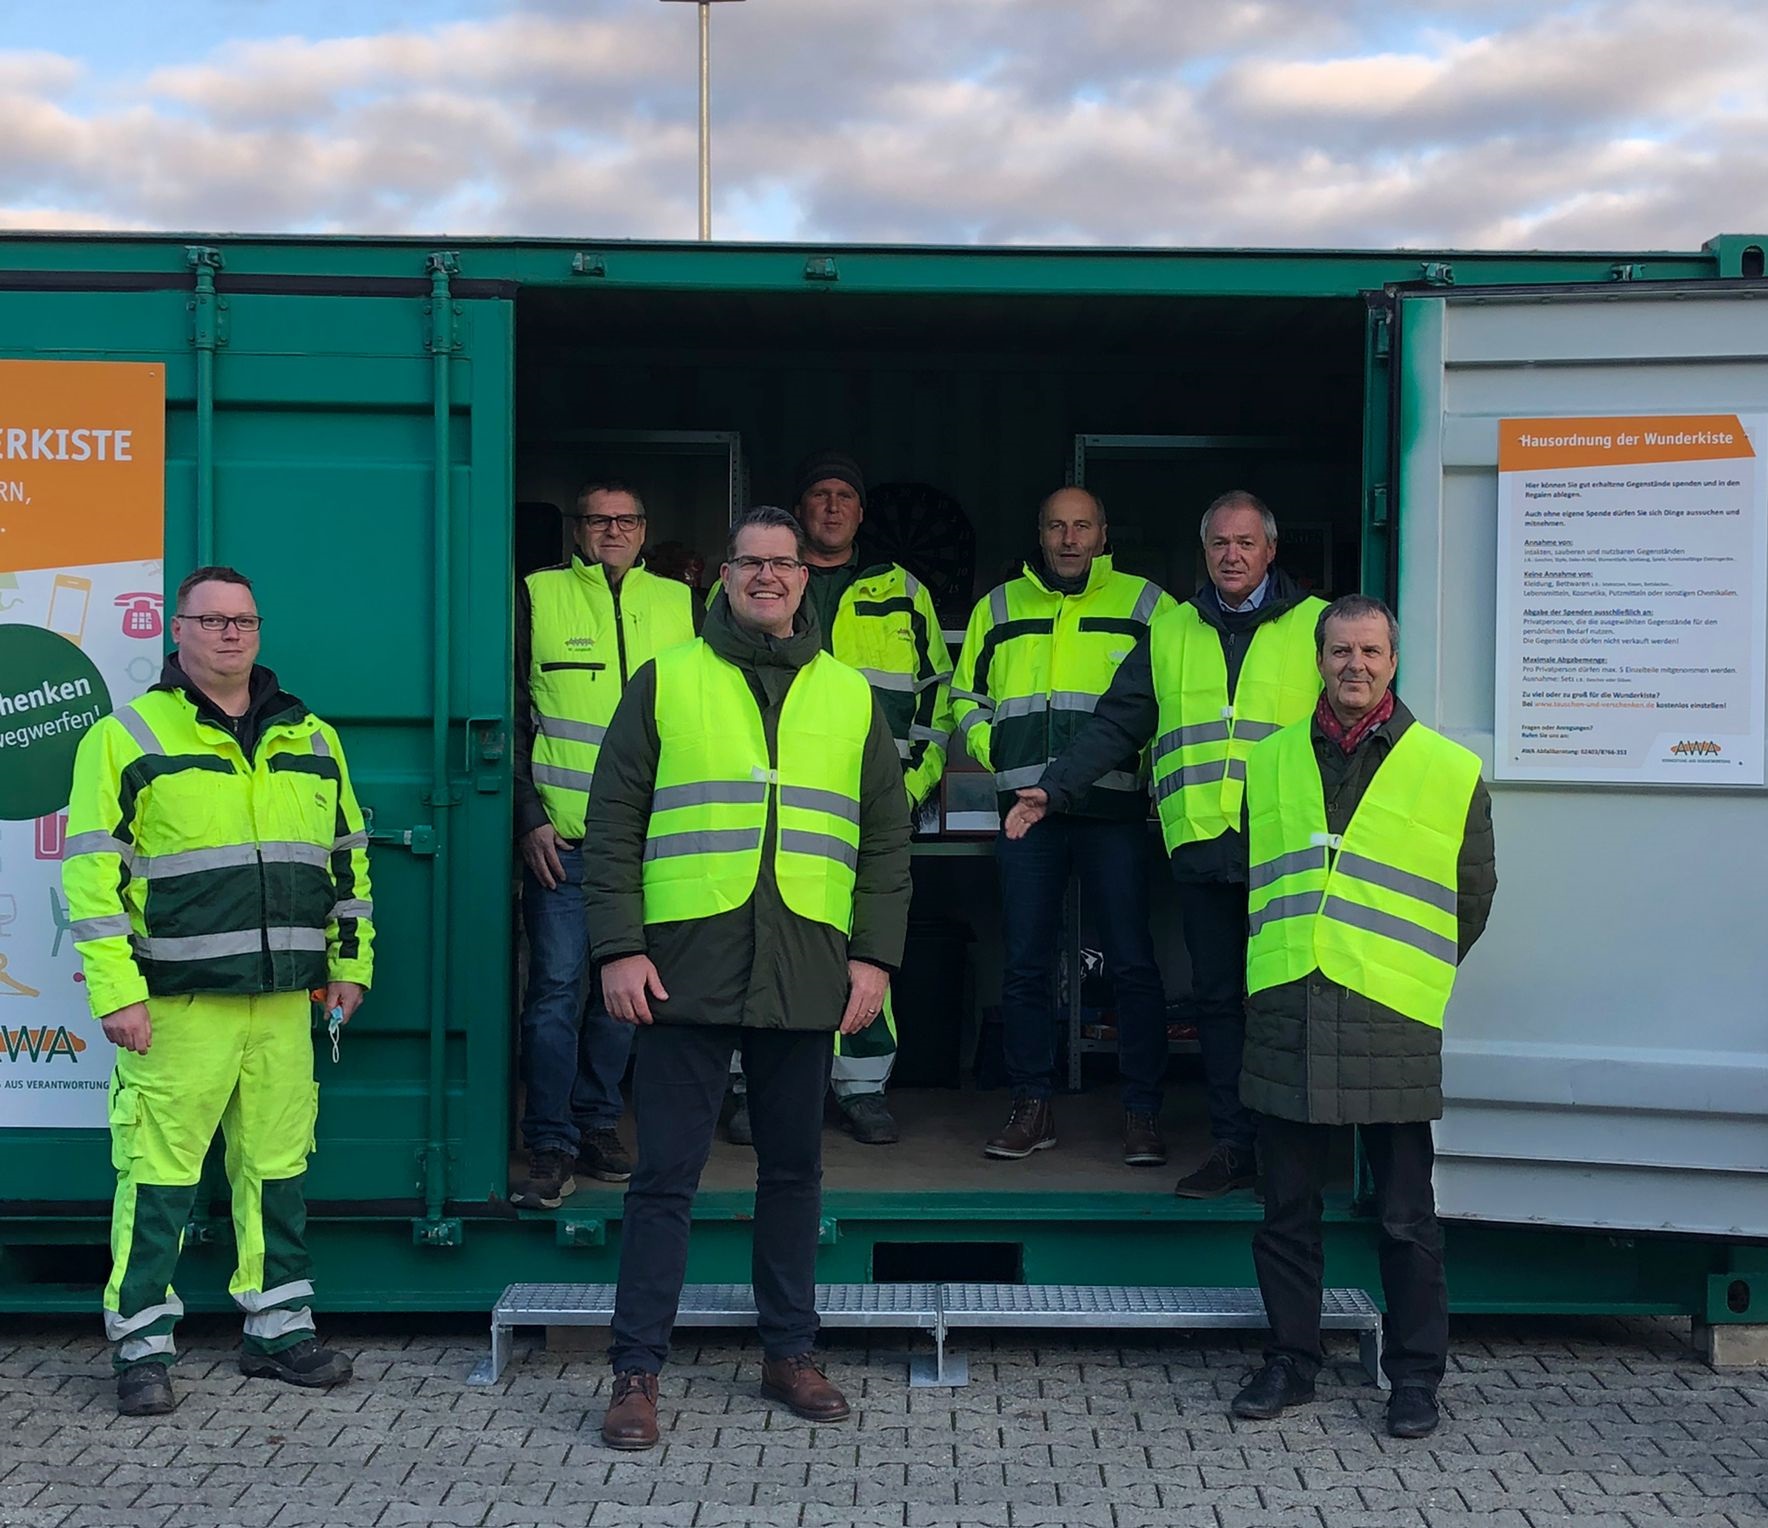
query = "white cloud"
x=1118 y=121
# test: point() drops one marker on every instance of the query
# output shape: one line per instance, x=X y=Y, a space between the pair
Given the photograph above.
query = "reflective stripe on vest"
x=584 y=644
x=1202 y=740
x=1373 y=909
x=1045 y=660
x=714 y=784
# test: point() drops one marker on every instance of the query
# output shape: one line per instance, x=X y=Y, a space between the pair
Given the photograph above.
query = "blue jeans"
x=573 y=1054
x=1111 y=859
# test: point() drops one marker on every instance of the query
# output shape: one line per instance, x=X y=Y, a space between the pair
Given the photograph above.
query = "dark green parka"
x=1319 y=1053
x=759 y=965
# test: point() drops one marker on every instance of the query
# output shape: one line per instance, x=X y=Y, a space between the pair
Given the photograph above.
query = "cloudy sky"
x=1283 y=122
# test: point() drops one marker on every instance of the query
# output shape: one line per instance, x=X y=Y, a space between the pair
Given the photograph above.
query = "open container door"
x=344 y=441
x=1606 y=1050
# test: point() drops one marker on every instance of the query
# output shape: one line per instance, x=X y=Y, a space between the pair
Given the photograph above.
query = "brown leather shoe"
x=803 y=1387
x=1142 y=1145
x=631 y=1419
x=1030 y=1127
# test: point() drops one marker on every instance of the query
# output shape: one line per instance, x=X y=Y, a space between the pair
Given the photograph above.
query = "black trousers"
x=1290 y=1260
x=678 y=1082
x=1214 y=916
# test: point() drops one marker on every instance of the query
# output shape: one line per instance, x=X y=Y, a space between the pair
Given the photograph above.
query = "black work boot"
x=1271 y=1391
x=1030 y=1127
x=737 y=1129
x=869 y=1120
x=1411 y=1412
x=1225 y=1169
x=145 y=1390
x=305 y=1364
x=602 y=1155
x=1142 y=1145
x=549 y=1182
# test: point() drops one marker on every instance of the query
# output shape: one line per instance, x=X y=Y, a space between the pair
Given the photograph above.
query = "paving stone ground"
x=1586 y=1422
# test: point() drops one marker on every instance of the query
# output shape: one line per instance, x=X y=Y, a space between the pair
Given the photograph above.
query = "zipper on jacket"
x=619 y=633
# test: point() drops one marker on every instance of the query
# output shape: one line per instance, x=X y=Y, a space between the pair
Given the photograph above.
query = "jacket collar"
x=594 y=573
x=1097 y=576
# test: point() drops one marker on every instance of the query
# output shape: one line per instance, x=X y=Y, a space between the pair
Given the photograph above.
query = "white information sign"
x=1632 y=600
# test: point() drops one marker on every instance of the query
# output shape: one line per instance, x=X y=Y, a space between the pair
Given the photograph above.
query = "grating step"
x=940 y=1309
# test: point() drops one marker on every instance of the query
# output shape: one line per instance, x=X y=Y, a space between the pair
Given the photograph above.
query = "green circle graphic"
x=51 y=693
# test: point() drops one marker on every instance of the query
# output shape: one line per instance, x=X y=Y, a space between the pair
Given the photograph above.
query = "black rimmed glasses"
x=750 y=567
x=627 y=523
x=208 y=622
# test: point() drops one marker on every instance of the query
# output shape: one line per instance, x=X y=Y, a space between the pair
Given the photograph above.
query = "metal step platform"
x=941 y=1309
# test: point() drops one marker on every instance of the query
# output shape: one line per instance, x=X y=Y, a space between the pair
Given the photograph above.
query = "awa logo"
x=579 y=642
x=40 y=1045
x=1687 y=746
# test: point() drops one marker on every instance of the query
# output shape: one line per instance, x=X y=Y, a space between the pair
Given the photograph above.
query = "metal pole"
x=705 y=119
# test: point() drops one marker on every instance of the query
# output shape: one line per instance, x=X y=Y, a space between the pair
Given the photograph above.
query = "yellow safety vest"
x=190 y=868
x=1372 y=909
x=1203 y=740
x=587 y=641
x=1035 y=663
x=715 y=782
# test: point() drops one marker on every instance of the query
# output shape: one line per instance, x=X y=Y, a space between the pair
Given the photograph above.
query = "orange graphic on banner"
x=82 y=462
x=1631 y=441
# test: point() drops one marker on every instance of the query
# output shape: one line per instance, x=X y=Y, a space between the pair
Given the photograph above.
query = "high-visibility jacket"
x=587 y=639
x=1034 y=664
x=190 y=868
x=715 y=785
x=1203 y=739
x=1373 y=909
x=885 y=626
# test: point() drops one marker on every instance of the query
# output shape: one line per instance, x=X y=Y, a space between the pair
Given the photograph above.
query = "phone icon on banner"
x=141 y=614
x=69 y=598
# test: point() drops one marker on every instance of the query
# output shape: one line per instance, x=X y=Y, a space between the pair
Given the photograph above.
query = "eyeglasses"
x=609 y=522
x=245 y=623
x=749 y=567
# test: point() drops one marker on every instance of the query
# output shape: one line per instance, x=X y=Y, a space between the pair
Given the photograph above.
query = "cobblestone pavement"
x=1546 y=1422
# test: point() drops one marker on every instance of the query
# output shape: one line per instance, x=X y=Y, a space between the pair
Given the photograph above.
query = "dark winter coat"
x=759 y=965
x=1319 y=1053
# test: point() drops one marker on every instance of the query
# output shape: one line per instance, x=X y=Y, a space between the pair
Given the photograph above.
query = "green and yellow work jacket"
x=192 y=866
x=1034 y=664
x=583 y=641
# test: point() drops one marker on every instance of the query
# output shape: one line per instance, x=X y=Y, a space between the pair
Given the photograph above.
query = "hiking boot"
x=802 y=1386
x=1221 y=1172
x=869 y=1120
x=602 y=1156
x=1142 y=1145
x=1030 y=1127
x=145 y=1390
x=549 y=1181
x=1271 y=1391
x=1411 y=1412
x=631 y=1418
x=305 y=1364
x=737 y=1129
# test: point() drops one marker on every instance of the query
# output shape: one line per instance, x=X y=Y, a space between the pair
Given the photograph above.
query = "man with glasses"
x=750 y=889
x=216 y=871
x=582 y=630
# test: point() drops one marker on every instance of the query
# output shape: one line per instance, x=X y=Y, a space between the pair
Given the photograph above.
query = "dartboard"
x=926 y=530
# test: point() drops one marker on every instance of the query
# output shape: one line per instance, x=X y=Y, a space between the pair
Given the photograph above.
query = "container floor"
x=941 y=1150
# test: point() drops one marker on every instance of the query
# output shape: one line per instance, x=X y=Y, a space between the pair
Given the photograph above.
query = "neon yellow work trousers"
x=244 y=1064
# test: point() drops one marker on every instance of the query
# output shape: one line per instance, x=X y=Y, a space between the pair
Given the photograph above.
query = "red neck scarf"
x=1348 y=738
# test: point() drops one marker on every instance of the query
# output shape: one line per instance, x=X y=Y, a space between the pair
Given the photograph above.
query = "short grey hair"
x=765 y=517
x=1238 y=498
x=1353 y=607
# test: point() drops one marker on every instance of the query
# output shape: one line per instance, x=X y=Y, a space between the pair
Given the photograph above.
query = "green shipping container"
x=380 y=433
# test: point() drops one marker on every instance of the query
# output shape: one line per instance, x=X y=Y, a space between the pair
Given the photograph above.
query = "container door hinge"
x=1438 y=273
x=209 y=322
x=437 y=1233
x=420 y=840
x=581 y=1233
x=1384 y=333
x=821 y=268
x=442 y=311
x=585 y=263
x=1626 y=273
